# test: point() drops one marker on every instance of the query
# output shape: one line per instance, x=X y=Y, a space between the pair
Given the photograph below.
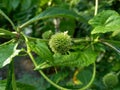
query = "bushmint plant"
x=59 y=49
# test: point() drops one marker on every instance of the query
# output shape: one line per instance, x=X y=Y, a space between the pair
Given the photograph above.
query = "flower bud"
x=60 y=43
x=110 y=80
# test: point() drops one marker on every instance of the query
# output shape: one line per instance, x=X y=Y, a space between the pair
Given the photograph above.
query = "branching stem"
x=50 y=81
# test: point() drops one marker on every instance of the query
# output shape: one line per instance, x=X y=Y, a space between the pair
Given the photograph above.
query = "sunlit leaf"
x=105 y=21
x=52 y=13
x=7 y=52
x=104 y=29
x=41 y=49
x=75 y=59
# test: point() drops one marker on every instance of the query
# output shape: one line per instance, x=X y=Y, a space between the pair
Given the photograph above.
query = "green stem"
x=59 y=87
x=29 y=50
x=41 y=72
x=62 y=88
x=50 y=81
x=96 y=7
x=9 y=78
x=11 y=83
x=6 y=17
x=80 y=40
x=114 y=48
x=14 y=86
x=92 y=79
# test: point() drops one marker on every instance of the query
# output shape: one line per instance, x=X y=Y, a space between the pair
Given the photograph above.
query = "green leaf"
x=7 y=52
x=41 y=49
x=103 y=18
x=20 y=86
x=105 y=21
x=4 y=32
x=15 y=3
x=75 y=59
x=84 y=76
x=26 y=4
x=52 y=13
x=105 y=29
x=65 y=26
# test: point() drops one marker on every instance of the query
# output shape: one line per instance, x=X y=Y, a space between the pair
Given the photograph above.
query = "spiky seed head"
x=110 y=80
x=60 y=42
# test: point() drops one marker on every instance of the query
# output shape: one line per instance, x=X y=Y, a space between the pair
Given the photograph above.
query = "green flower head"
x=47 y=34
x=110 y=80
x=60 y=42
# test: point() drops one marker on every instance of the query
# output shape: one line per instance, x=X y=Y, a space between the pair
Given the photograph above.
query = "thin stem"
x=62 y=88
x=80 y=40
x=6 y=17
x=118 y=73
x=41 y=72
x=28 y=50
x=13 y=77
x=9 y=78
x=100 y=57
x=96 y=7
x=50 y=81
x=35 y=64
x=59 y=87
x=11 y=83
x=27 y=23
x=91 y=81
x=108 y=44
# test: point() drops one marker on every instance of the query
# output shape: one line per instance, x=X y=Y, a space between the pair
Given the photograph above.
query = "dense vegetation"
x=73 y=44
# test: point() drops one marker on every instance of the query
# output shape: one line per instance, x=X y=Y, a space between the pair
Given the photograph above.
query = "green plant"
x=61 y=51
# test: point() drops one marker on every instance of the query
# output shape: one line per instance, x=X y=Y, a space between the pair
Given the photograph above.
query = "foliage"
x=6 y=58
x=105 y=21
x=29 y=25
x=20 y=86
